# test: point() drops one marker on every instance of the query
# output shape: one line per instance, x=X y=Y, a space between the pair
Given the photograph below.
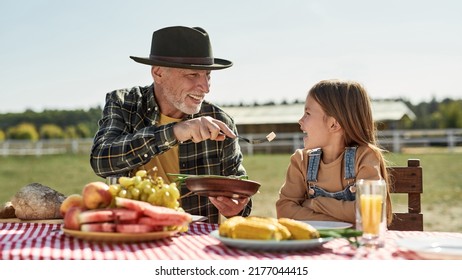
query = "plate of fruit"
x=104 y=213
x=131 y=221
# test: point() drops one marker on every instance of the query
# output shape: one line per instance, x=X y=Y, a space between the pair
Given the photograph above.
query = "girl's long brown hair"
x=350 y=105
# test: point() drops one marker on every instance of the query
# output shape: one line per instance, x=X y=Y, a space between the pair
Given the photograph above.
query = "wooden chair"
x=408 y=180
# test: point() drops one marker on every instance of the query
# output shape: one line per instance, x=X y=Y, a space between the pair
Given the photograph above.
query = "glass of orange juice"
x=371 y=196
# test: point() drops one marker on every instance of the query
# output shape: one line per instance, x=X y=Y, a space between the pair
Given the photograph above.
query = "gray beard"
x=185 y=109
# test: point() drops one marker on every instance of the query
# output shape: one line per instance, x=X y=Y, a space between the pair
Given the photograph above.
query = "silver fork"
x=270 y=137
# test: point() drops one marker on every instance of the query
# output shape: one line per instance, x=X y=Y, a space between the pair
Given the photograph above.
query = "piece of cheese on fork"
x=271 y=136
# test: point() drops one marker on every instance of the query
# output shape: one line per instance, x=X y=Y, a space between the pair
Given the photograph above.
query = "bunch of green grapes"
x=144 y=187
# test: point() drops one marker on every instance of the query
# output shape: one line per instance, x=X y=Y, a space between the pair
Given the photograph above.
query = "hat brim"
x=217 y=65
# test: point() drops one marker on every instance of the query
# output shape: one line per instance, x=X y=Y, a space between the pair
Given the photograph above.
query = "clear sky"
x=61 y=54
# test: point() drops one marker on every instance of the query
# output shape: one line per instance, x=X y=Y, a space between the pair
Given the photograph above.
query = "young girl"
x=340 y=148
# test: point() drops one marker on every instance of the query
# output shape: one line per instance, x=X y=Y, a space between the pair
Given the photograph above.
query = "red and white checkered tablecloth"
x=40 y=241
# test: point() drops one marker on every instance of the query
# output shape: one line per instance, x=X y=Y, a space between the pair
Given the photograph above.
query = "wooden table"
x=42 y=241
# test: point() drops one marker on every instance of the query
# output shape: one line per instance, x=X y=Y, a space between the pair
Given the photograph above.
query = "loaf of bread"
x=7 y=211
x=37 y=202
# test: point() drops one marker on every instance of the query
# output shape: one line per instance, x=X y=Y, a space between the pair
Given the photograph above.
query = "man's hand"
x=202 y=128
x=229 y=207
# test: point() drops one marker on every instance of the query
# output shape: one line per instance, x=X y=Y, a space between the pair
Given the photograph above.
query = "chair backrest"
x=408 y=180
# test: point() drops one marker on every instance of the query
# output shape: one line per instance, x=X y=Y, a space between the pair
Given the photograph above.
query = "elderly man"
x=169 y=125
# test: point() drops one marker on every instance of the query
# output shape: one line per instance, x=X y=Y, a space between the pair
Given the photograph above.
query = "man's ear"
x=156 y=73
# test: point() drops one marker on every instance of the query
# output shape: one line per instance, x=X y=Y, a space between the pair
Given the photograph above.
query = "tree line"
x=436 y=114
x=56 y=124
x=50 y=124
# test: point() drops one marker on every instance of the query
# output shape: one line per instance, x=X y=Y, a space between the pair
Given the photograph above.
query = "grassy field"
x=69 y=173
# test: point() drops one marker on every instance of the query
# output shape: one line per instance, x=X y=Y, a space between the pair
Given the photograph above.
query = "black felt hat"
x=182 y=47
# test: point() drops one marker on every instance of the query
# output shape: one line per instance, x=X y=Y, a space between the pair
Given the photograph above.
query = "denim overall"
x=312 y=174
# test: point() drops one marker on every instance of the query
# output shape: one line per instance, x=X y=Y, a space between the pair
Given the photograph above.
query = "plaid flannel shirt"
x=129 y=136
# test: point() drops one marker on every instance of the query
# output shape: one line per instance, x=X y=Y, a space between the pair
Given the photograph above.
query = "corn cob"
x=299 y=230
x=283 y=231
x=251 y=229
x=227 y=226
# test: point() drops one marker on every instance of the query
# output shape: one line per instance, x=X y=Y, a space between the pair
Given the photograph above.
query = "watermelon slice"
x=125 y=215
x=163 y=215
x=135 y=228
x=96 y=216
x=153 y=222
x=98 y=227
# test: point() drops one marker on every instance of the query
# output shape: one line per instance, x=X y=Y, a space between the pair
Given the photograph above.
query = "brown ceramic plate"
x=221 y=186
x=119 y=237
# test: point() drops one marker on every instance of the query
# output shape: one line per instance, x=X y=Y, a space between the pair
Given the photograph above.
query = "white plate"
x=271 y=245
x=328 y=224
x=435 y=248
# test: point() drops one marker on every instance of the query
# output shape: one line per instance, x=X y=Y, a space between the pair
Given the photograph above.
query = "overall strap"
x=313 y=165
x=347 y=194
x=349 y=161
